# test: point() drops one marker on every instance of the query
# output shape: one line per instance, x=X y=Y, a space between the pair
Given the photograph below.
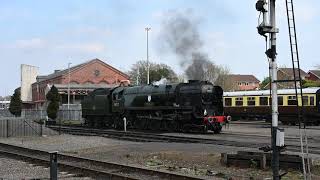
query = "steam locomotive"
x=193 y=106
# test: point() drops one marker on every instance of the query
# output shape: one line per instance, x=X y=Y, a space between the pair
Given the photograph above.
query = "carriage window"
x=227 y=102
x=305 y=100
x=251 y=101
x=280 y=100
x=311 y=101
x=292 y=100
x=239 y=101
x=263 y=101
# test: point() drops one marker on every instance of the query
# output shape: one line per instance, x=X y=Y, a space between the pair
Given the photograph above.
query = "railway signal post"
x=265 y=29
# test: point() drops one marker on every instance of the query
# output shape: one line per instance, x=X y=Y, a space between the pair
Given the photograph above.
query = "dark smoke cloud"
x=180 y=35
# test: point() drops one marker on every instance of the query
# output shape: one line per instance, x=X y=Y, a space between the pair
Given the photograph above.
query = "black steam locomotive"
x=192 y=106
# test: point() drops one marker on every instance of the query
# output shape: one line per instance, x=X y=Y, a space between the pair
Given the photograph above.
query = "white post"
x=69 y=85
x=125 y=124
x=148 y=66
x=69 y=91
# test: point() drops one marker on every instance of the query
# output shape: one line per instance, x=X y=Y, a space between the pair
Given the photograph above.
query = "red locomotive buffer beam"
x=215 y=123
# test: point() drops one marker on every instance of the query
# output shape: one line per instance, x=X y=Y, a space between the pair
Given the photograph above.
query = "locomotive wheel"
x=155 y=125
x=89 y=122
x=118 y=123
x=204 y=129
x=171 y=126
x=139 y=124
x=95 y=122
x=217 y=130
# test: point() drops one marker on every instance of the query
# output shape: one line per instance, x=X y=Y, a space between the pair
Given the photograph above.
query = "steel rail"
x=92 y=167
x=152 y=137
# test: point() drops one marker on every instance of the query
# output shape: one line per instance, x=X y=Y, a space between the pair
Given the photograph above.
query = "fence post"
x=60 y=126
x=24 y=127
x=7 y=121
x=41 y=124
x=53 y=165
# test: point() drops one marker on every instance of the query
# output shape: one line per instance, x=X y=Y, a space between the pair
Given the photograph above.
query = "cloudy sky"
x=49 y=34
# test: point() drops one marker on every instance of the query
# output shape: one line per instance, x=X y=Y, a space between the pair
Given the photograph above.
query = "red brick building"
x=243 y=82
x=313 y=75
x=84 y=78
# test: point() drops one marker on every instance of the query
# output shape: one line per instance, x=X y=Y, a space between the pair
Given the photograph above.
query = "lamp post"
x=147 y=29
x=69 y=86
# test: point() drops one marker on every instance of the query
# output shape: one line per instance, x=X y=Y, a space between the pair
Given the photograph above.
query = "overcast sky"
x=49 y=34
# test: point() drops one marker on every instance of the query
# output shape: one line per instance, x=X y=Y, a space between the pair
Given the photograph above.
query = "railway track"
x=241 y=141
x=90 y=167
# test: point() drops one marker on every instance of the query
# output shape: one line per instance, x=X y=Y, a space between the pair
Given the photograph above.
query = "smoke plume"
x=180 y=35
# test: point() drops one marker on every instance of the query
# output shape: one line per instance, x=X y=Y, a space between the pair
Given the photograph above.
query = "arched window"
x=103 y=82
x=89 y=82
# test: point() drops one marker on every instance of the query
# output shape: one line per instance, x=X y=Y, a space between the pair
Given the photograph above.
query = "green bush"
x=16 y=103
x=54 y=97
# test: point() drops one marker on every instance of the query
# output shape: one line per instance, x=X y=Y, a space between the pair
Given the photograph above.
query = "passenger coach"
x=256 y=105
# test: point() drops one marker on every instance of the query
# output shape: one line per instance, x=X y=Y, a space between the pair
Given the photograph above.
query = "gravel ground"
x=264 y=130
x=64 y=143
x=17 y=169
x=193 y=159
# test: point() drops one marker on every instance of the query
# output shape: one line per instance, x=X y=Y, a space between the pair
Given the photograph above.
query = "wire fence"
x=5 y=113
x=34 y=122
x=21 y=127
x=62 y=115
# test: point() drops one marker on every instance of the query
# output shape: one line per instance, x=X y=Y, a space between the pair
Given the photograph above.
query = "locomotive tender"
x=193 y=106
x=256 y=105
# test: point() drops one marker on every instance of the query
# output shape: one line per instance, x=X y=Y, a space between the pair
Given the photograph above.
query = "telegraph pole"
x=265 y=29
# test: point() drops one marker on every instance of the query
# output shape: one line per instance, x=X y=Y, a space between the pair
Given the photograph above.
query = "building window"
x=292 y=100
x=251 y=101
x=227 y=102
x=239 y=101
x=247 y=84
x=263 y=101
x=311 y=101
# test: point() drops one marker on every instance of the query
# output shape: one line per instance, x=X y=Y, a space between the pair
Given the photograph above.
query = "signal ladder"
x=297 y=78
x=295 y=57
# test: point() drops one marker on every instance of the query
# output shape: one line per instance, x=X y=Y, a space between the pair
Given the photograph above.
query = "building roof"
x=83 y=86
x=289 y=71
x=243 y=78
x=311 y=90
x=315 y=72
x=58 y=73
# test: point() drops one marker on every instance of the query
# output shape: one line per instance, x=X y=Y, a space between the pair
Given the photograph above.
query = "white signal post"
x=271 y=29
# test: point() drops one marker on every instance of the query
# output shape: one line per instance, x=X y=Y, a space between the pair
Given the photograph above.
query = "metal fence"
x=63 y=115
x=21 y=127
x=5 y=113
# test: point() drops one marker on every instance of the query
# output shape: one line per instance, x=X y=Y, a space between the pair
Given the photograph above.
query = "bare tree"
x=138 y=72
x=202 y=69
